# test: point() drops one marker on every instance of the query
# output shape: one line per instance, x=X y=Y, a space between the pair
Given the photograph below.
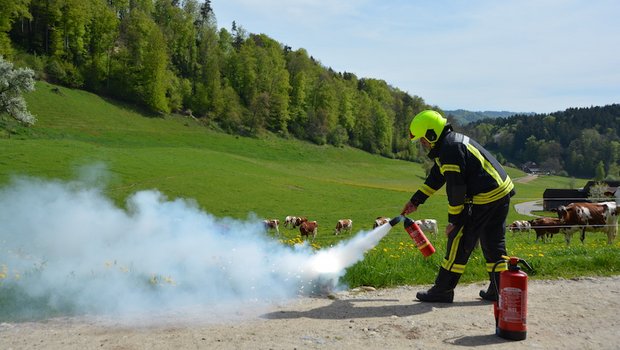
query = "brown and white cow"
x=343 y=225
x=590 y=216
x=272 y=224
x=546 y=227
x=428 y=225
x=380 y=220
x=289 y=222
x=298 y=220
x=520 y=226
x=308 y=228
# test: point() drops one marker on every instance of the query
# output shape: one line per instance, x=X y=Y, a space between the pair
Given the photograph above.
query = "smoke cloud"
x=66 y=247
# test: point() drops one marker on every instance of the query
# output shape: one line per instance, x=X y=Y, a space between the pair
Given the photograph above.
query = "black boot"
x=443 y=290
x=491 y=293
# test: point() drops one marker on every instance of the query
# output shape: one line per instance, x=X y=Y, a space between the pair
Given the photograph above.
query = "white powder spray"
x=68 y=248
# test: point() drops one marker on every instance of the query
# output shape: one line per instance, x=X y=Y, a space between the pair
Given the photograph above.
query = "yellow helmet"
x=427 y=124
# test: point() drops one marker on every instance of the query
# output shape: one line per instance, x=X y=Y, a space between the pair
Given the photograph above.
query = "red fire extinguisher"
x=511 y=308
x=423 y=244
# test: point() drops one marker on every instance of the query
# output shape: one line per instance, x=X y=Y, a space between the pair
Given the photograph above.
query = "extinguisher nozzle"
x=396 y=220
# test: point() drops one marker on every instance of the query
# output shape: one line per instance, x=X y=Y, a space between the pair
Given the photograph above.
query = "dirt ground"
x=582 y=313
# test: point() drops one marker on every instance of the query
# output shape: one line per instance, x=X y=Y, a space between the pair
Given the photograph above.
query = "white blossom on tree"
x=14 y=82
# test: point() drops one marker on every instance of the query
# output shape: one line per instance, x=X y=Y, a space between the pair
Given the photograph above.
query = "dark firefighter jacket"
x=471 y=174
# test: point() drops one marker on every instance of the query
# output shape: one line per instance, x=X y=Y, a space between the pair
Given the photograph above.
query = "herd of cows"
x=309 y=229
x=571 y=218
x=574 y=217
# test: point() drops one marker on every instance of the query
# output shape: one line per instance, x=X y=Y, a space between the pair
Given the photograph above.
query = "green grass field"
x=271 y=177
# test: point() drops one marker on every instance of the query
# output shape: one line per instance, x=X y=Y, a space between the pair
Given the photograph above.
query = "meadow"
x=269 y=177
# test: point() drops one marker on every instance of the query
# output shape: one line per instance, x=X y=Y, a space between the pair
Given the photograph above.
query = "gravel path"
x=562 y=314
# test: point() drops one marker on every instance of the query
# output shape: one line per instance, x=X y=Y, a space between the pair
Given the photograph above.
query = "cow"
x=298 y=220
x=591 y=216
x=343 y=225
x=520 y=226
x=380 y=220
x=290 y=221
x=428 y=225
x=308 y=228
x=546 y=227
x=272 y=224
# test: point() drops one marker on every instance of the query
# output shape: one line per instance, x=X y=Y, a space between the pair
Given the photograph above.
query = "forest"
x=582 y=142
x=170 y=56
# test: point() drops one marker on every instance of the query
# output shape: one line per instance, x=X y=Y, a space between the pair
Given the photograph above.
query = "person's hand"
x=449 y=229
x=409 y=208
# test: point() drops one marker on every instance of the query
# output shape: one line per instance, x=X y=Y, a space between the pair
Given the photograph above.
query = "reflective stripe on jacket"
x=471 y=174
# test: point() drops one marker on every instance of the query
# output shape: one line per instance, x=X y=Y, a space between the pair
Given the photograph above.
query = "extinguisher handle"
x=529 y=267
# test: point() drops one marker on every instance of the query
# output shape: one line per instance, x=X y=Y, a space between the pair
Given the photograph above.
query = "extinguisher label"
x=417 y=237
x=512 y=305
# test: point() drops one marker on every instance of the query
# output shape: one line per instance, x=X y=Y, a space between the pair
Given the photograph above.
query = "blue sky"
x=516 y=55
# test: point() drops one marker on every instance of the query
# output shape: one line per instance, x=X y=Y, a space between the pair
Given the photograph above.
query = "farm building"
x=555 y=197
x=531 y=168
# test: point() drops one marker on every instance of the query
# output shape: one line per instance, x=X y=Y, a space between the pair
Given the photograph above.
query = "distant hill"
x=580 y=142
x=464 y=117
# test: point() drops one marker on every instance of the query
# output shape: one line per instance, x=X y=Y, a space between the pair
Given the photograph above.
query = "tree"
x=272 y=78
x=613 y=174
x=14 y=82
x=209 y=60
x=585 y=152
x=141 y=72
x=102 y=33
x=599 y=172
x=9 y=10
x=75 y=16
x=597 y=192
x=531 y=149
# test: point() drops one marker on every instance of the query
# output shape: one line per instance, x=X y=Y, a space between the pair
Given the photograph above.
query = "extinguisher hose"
x=493 y=274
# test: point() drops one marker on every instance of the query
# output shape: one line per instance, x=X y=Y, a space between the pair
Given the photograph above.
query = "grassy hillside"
x=234 y=176
x=227 y=175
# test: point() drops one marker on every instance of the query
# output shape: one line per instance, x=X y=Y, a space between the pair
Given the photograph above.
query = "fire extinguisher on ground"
x=511 y=308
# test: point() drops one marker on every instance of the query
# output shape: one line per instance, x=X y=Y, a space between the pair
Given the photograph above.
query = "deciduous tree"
x=13 y=83
x=9 y=11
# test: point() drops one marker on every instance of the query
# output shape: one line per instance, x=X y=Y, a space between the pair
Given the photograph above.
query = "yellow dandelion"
x=2 y=275
x=385 y=250
x=541 y=254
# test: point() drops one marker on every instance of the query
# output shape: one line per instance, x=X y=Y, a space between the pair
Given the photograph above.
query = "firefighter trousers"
x=485 y=223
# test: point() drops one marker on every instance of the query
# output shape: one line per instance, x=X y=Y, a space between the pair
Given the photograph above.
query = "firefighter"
x=478 y=191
